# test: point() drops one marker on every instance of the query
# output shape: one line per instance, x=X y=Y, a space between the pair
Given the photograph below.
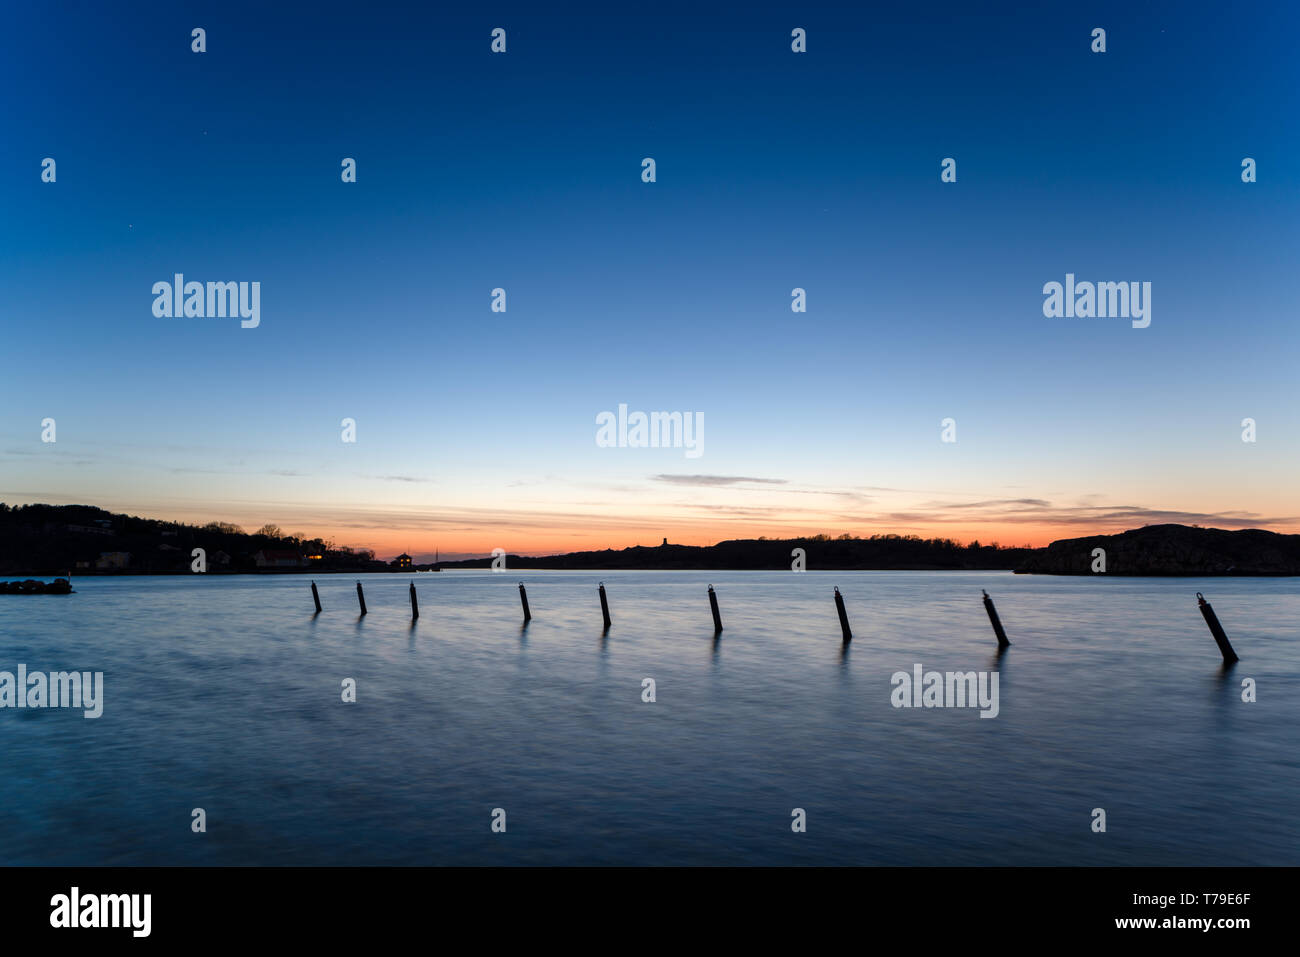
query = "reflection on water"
x=225 y=693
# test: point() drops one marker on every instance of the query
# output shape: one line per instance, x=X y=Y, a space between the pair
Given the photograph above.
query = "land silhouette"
x=820 y=552
x=85 y=540
x=1151 y=550
x=1171 y=550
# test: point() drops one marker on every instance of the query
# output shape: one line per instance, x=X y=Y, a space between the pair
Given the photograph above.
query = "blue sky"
x=774 y=170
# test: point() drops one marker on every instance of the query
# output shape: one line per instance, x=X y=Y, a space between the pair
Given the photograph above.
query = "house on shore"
x=277 y=558
x=99 y=528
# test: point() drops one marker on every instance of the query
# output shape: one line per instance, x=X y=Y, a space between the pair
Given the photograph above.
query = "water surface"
x=223 y=692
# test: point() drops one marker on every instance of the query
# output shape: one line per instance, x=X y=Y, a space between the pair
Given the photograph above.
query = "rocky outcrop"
x=1171 y=550
x=60 y=586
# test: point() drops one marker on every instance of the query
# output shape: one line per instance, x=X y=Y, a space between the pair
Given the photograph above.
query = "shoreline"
x=21 y=576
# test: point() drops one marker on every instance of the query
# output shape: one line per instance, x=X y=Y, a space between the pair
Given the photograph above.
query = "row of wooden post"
x=1207 y=610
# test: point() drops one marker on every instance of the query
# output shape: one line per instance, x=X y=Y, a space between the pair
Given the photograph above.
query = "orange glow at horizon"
x=454 y=544
x=388 y=545
x=563 y=522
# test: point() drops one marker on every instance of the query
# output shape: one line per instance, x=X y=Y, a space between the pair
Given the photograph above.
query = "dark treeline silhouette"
x=822 y=552
x=51 y=540
x=85 y=540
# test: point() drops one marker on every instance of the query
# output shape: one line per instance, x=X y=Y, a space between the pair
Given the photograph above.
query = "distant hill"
x=1171 y=550
x=902 y=552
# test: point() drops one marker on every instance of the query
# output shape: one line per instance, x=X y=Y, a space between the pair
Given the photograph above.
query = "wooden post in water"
x=604 y=604
x=415 y=605
x=1216 y=629
x=361 y=597
x=844 y=617
x=997 y=622
x=713 y=604
x=315 y=596
x=523 y=599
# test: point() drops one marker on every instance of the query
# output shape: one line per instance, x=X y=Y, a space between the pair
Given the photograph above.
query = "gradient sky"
x=775 y=170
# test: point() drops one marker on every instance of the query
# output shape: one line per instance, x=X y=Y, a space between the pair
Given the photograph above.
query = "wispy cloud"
x=713 y=481
x=989 y=503
x=1100 y=519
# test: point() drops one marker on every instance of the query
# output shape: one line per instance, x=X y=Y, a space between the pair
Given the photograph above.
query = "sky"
x=774 y=170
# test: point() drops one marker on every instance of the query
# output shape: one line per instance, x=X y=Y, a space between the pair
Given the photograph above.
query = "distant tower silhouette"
x=665 y=541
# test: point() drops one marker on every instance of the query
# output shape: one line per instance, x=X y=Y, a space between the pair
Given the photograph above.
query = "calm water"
x=224 y=693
